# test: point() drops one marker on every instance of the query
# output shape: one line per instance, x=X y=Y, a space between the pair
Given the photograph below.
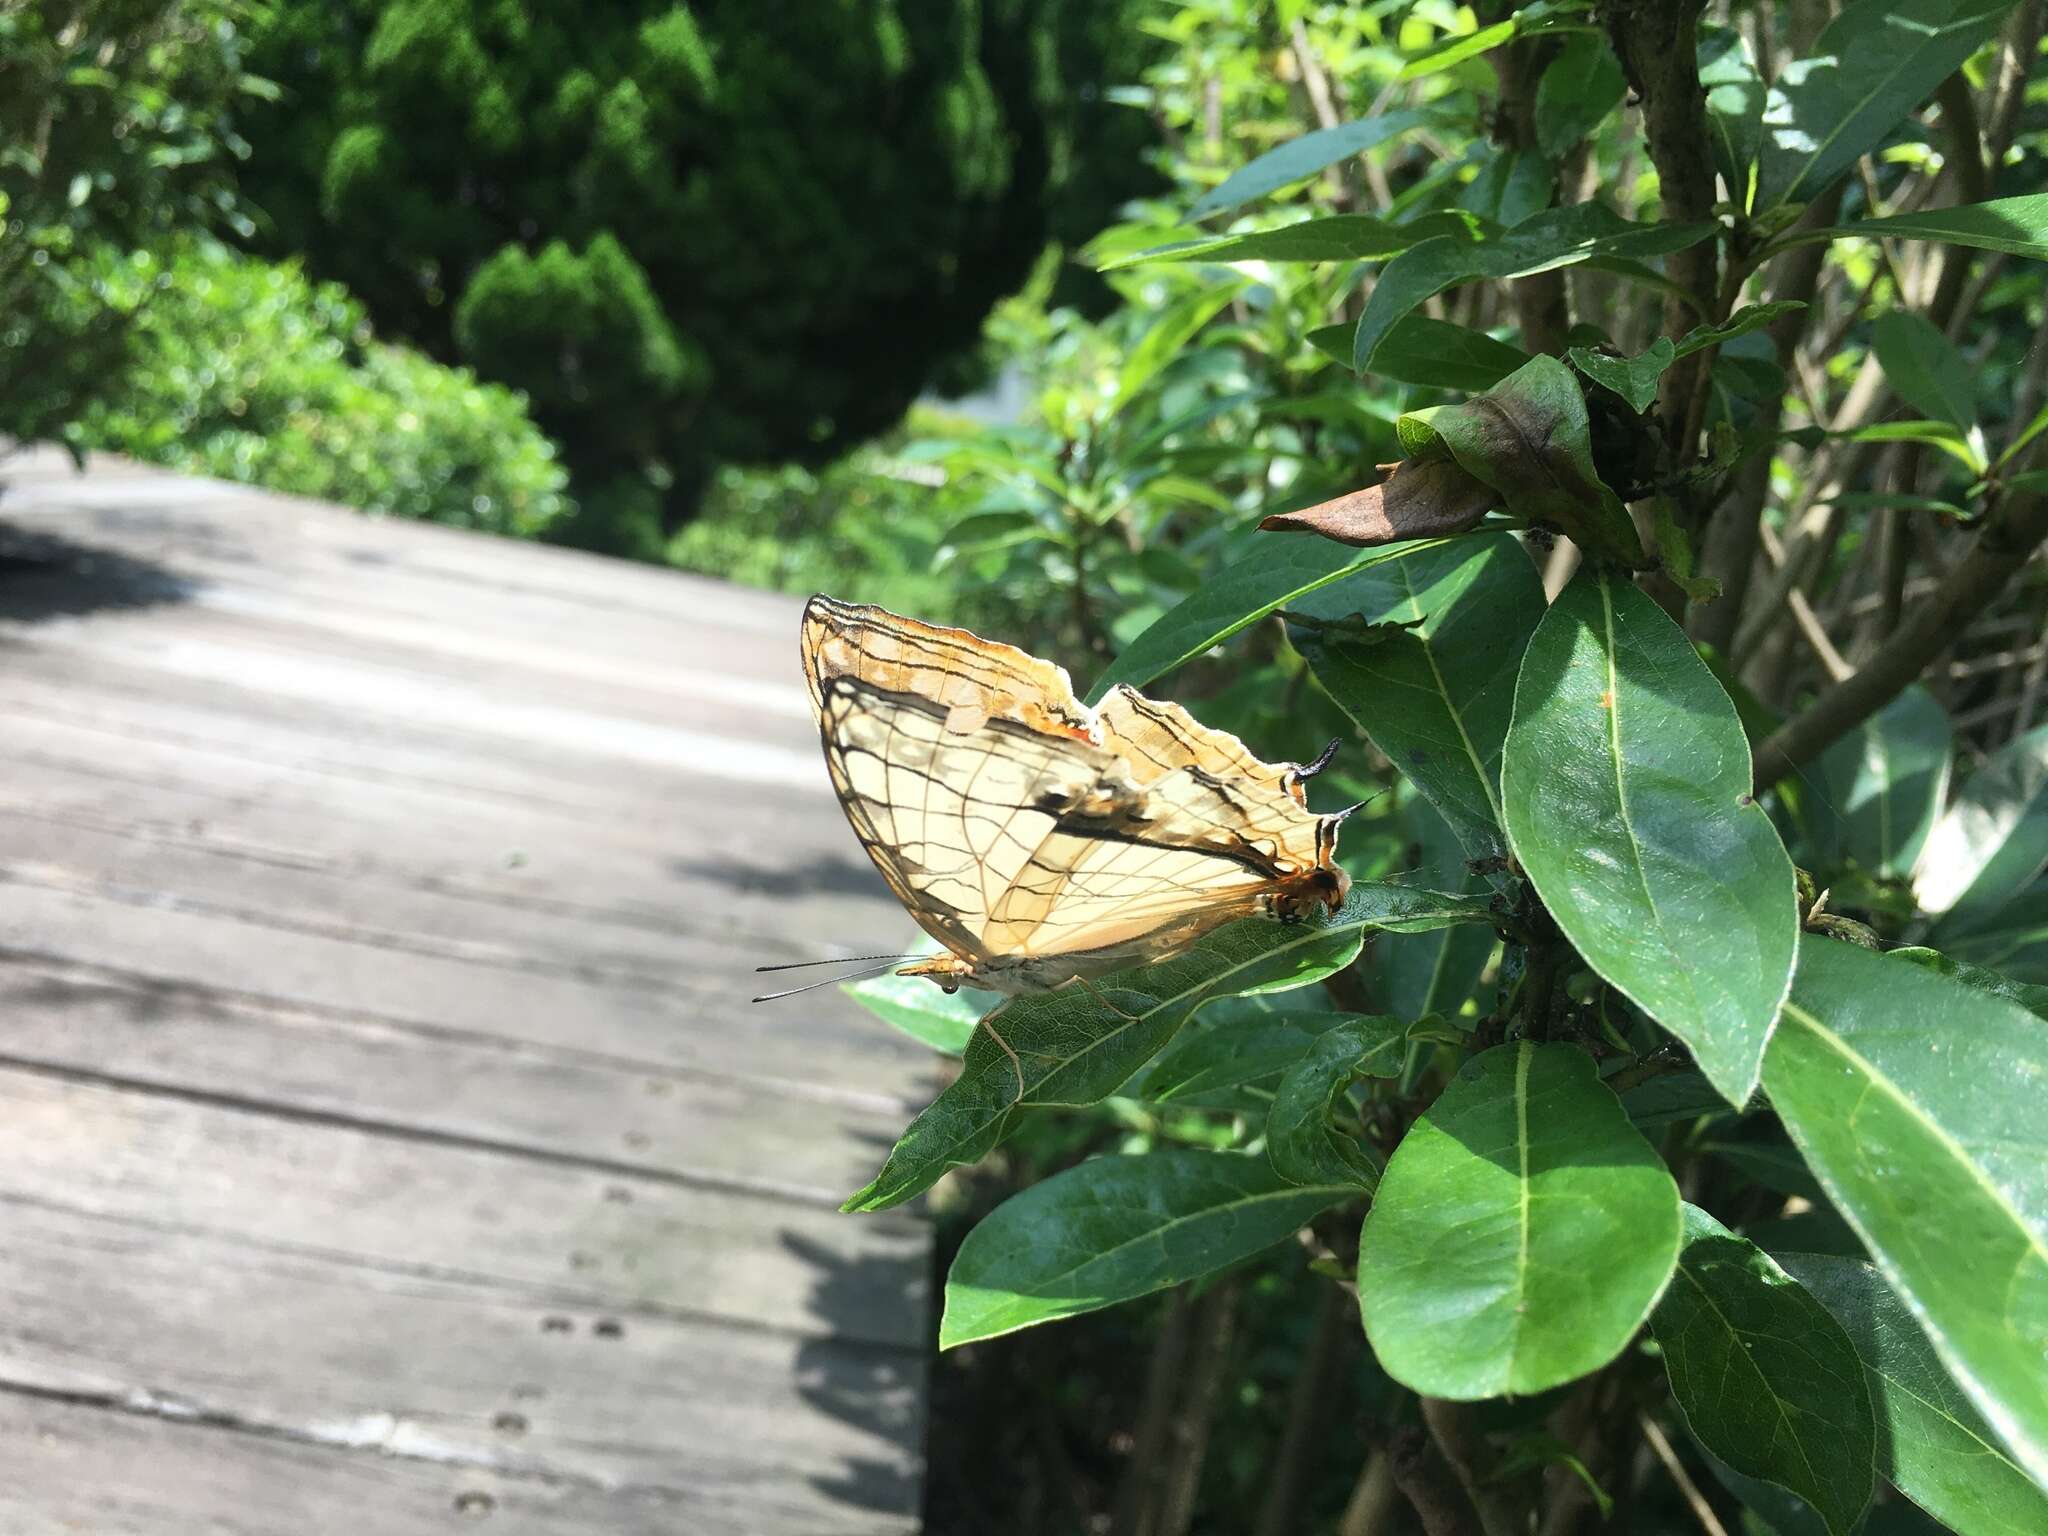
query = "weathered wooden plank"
x=77 y=1470
x=799 y=897
x=707 y=1029
x=564 y=1104
x=716 y=1426
x=560 y=1235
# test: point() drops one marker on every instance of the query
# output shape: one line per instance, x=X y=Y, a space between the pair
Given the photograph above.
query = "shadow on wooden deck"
x=385 y=1140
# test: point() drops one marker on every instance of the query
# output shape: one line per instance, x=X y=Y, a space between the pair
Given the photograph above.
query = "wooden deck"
x=386 y=1142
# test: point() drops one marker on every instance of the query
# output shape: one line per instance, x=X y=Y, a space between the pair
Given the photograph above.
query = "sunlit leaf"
x=1117 y=1228
x=1871 y=66
x=1873 y=796
x=1918 y=1103
x=1931 y=1443
x=1626 y=787
x=1991 y=841
x=1521 y=1232
x=1632 y=378
x=1299 y=159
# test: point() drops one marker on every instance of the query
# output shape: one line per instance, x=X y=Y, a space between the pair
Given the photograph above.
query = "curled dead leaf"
x=1420 y=499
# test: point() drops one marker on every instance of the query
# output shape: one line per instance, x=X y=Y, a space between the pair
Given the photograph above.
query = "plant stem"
x=2011 y=533
x=1324 y=1355
x=1455 y=1428
x=1422 y=1474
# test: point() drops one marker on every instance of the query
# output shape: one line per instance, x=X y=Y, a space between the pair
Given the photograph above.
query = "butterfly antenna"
x=1361 y=805
x=1310 y=770
x=829 y=981
x=798 y=965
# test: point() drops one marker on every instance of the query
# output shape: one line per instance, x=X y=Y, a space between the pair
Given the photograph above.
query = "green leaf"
x=1871 y=67
x=943 y=1021
x=1432 y=353
x=1521 y=1232
x=1339 y=237
x=1751 y=317
x=1117 y=1228
x=1253 y=580
x=2016 y=225
x=1301 y=1142
x=1579 y=88
x=1301 y=158
x=1931 y=1443
x=1925 y=368
x=1991 y=841
x=1735 y=107
x=1878 y=789
x=1918 y=1104
x=1626 y=785
x=1539 y=17
x=1074 y=1050
x=1233 y=1066
x=2029 y=995
x=1766 y=1378
x=1436 y=972
x=1557 y=237
x=1529 y=437
x=1632 y=378
x=1966 y=448
x=1434 y=688
x=1511 y=186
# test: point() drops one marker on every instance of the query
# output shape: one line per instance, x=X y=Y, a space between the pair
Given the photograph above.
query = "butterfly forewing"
x=1016 y=824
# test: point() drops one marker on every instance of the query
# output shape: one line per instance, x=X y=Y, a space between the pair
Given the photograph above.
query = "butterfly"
x=1039 y=841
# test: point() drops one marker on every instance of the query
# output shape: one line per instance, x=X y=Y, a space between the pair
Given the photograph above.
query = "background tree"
x=720 y=231
x=115 y=135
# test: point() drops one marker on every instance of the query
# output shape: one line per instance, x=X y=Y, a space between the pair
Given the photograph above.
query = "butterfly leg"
x=989 y=1023
x=1093 y=991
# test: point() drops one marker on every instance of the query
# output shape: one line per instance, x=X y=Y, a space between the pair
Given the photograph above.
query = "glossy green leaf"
x=943 y=1021
x=1581 y=85
x=1931 y=1443
x=1339 y=237
x=1557 y=237
x=1234 y=1065
x=1434 y=686
x=1875 y=794
x=1632 y=378
x=1919 y=1105
x=1468 y=45
x=1513 y=184
x=1765 y=1377
x=1529 y=437
x=1302 y=1142
x=1436 y=972
x=1751 y=317
x=1625 y=782
x=1074 y=1050
x=1925 y=368
x=1871 y=67
x=2029 y=995
x=1521 y=1232
x=1299 y=159
x=1432 y=353
x=1260 y=575
x=2017 y=226
x=1735 y=107
x=1992 y=840
x=1116 y=1228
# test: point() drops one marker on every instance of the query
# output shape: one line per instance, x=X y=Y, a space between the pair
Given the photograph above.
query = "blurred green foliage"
x=694 y=234
x=246 y=370
x=115 y=132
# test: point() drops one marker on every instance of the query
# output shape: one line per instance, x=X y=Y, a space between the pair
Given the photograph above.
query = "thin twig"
x=1702 y=1511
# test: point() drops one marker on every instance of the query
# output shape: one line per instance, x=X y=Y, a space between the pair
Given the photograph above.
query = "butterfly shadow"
x=878 y=1387
x=46 y=576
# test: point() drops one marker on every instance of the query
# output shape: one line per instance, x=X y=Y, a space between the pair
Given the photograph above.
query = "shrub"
x=693 y=234
x=246 y=370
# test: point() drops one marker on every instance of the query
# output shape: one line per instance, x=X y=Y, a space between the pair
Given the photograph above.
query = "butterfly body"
x=1042 y=842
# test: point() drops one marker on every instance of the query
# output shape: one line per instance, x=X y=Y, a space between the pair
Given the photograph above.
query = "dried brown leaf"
x=1420 y=499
